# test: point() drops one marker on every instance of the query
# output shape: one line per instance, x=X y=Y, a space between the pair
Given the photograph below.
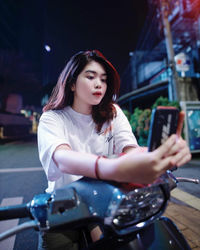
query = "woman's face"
x=90 y=87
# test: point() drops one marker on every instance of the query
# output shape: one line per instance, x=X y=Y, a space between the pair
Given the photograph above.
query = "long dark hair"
x=63 y=96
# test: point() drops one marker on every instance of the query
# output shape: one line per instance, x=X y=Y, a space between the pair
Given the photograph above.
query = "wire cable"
x=18 y=228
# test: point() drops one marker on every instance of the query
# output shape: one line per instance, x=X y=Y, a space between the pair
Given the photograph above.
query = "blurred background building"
x=20 y=67
x=167 y=54
x=166 y=62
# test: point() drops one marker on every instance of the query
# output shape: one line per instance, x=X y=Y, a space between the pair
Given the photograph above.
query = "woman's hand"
x=146 y=167
x=182 y=154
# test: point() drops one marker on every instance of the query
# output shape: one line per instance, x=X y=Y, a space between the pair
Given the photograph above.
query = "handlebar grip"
x=12 y=212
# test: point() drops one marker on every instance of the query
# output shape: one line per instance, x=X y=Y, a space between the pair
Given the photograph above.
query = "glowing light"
x=47 y=48
x=141 y=224
x=119 y=197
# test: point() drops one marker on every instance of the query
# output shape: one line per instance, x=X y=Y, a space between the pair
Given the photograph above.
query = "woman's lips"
x=97 y=93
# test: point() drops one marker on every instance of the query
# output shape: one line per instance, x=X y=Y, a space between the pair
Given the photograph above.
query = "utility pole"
x=173 y=81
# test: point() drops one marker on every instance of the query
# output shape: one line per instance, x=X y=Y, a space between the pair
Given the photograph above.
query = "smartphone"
x=164 y=122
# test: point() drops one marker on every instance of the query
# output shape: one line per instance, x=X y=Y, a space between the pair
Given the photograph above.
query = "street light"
x=47 y=48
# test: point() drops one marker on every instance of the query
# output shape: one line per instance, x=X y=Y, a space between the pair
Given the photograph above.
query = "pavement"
x=187 y=219
x=184 y=207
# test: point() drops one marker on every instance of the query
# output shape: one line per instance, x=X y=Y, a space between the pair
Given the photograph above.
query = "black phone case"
x=164 y=122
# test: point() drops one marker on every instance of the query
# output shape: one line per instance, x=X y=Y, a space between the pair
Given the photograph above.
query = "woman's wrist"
x=108 y=169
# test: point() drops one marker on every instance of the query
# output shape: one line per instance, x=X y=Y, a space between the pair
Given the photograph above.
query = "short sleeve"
x=123 y=135
x=50 y=135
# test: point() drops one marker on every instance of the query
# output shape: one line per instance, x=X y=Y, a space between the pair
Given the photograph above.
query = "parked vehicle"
x=129 y=215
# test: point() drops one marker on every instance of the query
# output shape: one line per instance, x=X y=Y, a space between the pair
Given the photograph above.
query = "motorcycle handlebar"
x=13 y=212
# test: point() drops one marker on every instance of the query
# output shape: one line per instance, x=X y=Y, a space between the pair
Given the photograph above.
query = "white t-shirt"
x=66 y=126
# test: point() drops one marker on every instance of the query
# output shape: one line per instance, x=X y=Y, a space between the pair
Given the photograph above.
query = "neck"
x=82 y=109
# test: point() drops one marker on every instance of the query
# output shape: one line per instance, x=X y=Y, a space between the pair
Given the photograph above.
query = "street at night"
x=22 y=177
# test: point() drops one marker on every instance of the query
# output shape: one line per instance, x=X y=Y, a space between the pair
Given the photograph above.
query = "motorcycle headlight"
x=137 y=206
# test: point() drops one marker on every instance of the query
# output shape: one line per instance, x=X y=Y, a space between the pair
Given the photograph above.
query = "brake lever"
x=184 y=179
x=172 y=180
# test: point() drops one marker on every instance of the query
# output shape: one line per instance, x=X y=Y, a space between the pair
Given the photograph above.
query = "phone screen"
x=164 y=122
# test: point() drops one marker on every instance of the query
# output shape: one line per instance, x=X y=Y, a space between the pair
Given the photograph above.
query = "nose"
x=97 y=84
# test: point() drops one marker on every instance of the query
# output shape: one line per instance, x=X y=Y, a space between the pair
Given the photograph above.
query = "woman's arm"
x=148 y=166
x=76 y=163
x=141 y=167
x=136 y=149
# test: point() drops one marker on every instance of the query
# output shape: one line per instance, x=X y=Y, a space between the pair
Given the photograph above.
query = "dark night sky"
x=110 y=26
x=67 y=26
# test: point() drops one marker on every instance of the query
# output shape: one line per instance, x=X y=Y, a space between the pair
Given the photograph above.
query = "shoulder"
x=120 y=118
x=50 y=114
x=118 y=110
x=117 y=107
x=57 y=115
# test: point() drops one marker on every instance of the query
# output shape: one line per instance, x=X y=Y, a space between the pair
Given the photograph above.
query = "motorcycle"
x=130 y=215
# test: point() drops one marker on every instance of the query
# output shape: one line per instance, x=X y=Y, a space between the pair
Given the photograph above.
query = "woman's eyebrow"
x=94 y=72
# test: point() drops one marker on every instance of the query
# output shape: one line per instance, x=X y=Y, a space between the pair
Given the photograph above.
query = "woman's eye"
x=90 y=77
x=104 y=80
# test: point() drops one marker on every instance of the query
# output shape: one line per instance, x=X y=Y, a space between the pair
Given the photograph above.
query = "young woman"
x=81 y=123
